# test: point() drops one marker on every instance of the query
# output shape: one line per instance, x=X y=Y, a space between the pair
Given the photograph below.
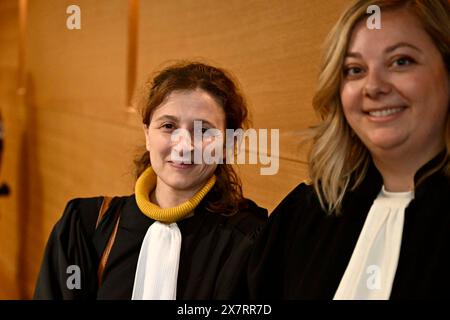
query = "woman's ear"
x=147 y=137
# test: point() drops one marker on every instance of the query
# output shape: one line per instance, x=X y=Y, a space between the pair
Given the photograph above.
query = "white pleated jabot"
x=373 y=264
x=157 y=268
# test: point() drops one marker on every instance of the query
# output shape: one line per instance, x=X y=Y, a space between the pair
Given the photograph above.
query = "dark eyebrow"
x=207 y=122
x=388 y=49
x=167 y=117
x=175 y=119
x=402 y=44
x=352 y=55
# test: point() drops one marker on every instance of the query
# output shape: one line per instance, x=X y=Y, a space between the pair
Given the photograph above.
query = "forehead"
x=399 y=25
x=190 y=104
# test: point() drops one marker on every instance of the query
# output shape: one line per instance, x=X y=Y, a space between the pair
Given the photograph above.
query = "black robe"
x=213 y=258
x=303 y=252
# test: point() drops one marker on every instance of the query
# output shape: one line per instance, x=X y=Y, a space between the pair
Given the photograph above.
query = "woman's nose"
x=182 y=142
x=376 y=84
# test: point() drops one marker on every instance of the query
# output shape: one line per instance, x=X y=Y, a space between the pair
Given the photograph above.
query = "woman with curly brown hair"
x=187 y=231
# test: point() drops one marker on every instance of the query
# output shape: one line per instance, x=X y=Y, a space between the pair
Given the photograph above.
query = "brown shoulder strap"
x=105 y=205
x=105 y=254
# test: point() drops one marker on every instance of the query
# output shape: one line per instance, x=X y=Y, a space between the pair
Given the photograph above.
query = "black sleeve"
x=232 y=282
x=68 y=269
x=214 y=253
x=267 y=261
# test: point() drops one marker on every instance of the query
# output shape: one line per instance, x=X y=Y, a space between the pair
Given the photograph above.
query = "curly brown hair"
x=226 y=197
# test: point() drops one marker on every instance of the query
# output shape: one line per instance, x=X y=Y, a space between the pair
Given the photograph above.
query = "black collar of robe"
x=371 y=185
x=303 y=251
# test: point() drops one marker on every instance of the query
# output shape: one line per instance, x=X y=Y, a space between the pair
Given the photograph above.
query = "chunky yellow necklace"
x=147 y=183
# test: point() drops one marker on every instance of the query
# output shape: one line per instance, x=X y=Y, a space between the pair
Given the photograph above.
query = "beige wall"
x=9 y=239
x=71 y=134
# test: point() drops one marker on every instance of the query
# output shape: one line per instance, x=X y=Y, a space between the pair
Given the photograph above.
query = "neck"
x=167 y=197
x=147 y=181
x=395 y=179
x=398 y=170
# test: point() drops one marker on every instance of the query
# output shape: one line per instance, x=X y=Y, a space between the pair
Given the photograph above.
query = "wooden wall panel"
x=83 y=139
x=12 y=112
x=78 y=138
x=12 y=116
x=9 y=33
x=86 y=64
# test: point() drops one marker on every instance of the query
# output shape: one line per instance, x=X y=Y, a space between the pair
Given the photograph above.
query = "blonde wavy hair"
x=338 y=160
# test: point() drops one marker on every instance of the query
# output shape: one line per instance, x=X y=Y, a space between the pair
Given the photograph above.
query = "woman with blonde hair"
x=373 y=223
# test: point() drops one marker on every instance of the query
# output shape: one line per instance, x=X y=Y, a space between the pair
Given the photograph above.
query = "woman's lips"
x=181 y=165
x=385 y=114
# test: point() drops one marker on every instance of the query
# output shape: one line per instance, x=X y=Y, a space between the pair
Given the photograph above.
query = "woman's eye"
x=213 y=134
x=352 y=71
x=403 y=61
x=201 y=130
x=168 y=126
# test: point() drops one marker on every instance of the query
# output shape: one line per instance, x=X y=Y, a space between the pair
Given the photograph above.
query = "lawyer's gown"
x=213 y=258
x=303 y=252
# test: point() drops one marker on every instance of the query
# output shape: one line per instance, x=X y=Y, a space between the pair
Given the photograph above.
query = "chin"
x=385 y=141
x=181 y=185
x=385 y=145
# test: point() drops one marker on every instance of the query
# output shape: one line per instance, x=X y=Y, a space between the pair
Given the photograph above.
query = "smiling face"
x=179 y=111
x=395 y=91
